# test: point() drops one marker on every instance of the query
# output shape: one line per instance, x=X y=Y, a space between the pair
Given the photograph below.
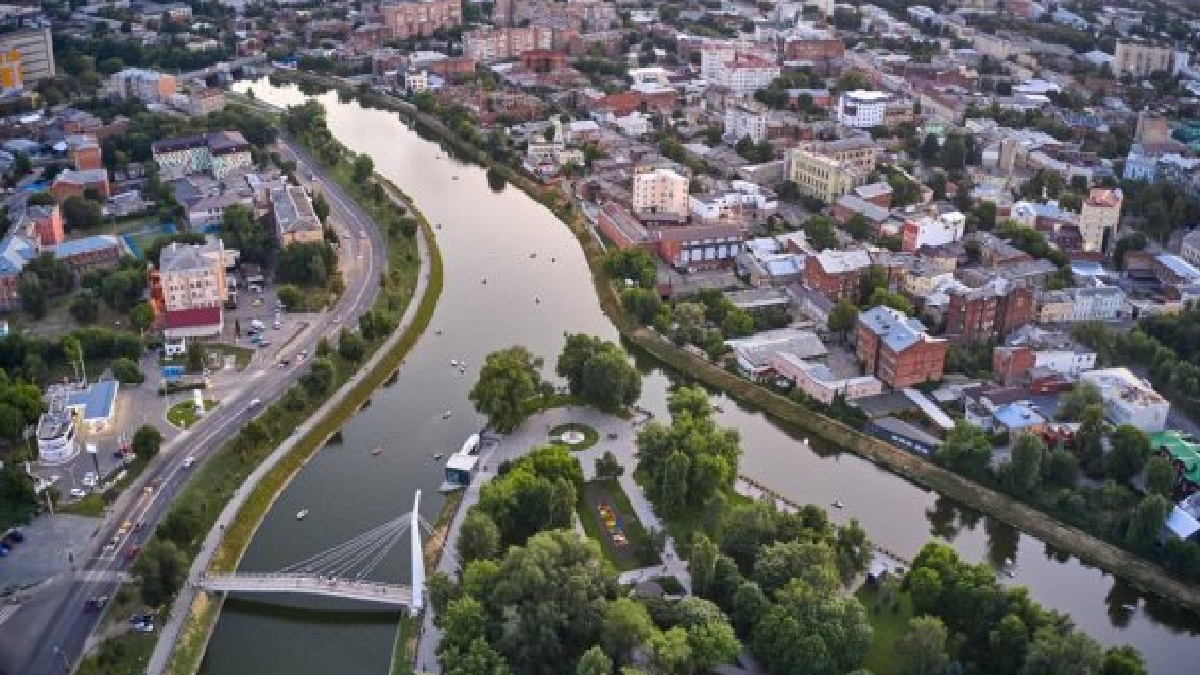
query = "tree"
x=712 y=643
x=81 y=214
x=12 y=423
x=671 y=652
x=33 y=295
x=820 y=233
x=537 y=493
x=85 y=307
x=181 y=526
x=886 y=298
x=1089 y=438
x=843 y=318
x=194 y=357
x=1055 y=653
x=599 y=372
x=363 y=168
x=807 y=632
x=625 y=626
x=320 y=377
x=351 y=346
x=255 y=242
x=479 y=538
x=967 y=449
x=1007 y=645
x=594 y=662
x=607 y=466
x=930 y=148
x=781 y=562
x=1130 y=450
x=162 y=568
x=641 y=303
x=1146 y=523
x=1074 y=402
x=508 y=380
x=1060 y=468
x=1160 y=477
x=634 y=264
x=1023 y=473
x=320 y=206
x=1123 y=660
x=702 y=564
x=146 y=442
x=127 y=372
x=923 y=648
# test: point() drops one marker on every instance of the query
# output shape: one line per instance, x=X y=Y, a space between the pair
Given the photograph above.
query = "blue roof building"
x=96 y=405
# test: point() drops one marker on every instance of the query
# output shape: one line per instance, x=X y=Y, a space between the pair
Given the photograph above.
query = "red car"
x=131 y=552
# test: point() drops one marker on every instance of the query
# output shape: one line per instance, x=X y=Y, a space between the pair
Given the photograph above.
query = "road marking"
x=7 y=612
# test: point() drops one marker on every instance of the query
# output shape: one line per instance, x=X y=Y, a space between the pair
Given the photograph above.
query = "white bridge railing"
x=308 y=584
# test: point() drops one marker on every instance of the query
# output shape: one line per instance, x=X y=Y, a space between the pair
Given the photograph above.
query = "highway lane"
x=63 y=641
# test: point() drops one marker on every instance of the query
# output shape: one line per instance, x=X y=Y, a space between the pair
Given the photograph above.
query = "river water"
x=497 y=294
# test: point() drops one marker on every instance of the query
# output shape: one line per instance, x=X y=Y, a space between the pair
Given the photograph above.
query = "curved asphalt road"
x=57 y=646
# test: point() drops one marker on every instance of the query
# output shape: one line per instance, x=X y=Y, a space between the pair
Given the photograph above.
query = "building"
x=819 y=382
x=746 y=119
x=1033 y=349
x=618 y=226
x=95 y=406
x=1139 y=60
x=822 y=177
x=84 y=153
x=204 y=101
x=897 y=350
x=745 y=74
x=659 y=193
x=1100 y=303
x=71 y=183
x=420 y=18
x=988 y=313
x=1184 y=454
x=218 y=153
x=1129 y=400
x=860 y=153
x=416 y=81
x=1189 y=250
x=36 y=47
x=488 y=45
x=755 y=355
x=46 y=224
x=694 y=247
x=743 y=202
x=295 y=220
x=928 y=231
x=146 y=86
x=1100 y=219
x=866 y=109
x=189 y=287
x=1171 y=270
x=56 y=429
x=835 y=274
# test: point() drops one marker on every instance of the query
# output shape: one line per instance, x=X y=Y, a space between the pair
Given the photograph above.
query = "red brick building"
x=620 y=227
x=420 y=18
x=813 y=49
x=72 y=183
x=1011 y=365
x=835 y=274
x=543 y=60
x=46 y=222
x=897 y=350
x=988 y=313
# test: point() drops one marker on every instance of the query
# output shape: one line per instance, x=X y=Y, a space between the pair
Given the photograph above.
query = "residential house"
x=897 y=350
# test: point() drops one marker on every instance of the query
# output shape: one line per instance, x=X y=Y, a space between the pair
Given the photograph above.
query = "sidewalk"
x=187 y=595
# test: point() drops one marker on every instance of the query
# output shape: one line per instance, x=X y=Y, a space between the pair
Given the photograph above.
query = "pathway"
x=187 y=595
x=534 y=433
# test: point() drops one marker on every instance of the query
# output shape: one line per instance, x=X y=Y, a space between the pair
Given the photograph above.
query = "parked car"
x=77 y=493
x=187 y=463
x=95 y=604
x=15 y=535
x=255 y=402
x=132 y=551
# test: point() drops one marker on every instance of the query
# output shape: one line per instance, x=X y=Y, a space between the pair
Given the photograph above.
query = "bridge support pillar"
x=418 y=559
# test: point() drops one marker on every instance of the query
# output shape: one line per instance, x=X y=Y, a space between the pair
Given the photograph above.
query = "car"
x=15 y=535
x=89 y=479
x=124 y=529
x=95 y=604
x=143 y=627
x=264 y=343
x=255 y=402
x=132 y=551
x=109 y=547
x=276 y=325
x=77 y=493
x=188 y=462
x=141 y=618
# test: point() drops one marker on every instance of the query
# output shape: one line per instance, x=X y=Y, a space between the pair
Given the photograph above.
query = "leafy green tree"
x=1160 y=477
x=886 y=298
x=537 y=493
x=351 y=346
x=820 y=232
x=608 y=466
x=12 y=423
x=194 y=357
x=594 y=662
x=363 y=168
x=1007 y=645
x=81 y=214
x=853 y=550
x=509 y=379
x=702 y=563
x=923 y=648
x=1123 y=660
x=127 y=372
x=967 y=449
x=1089 y=439
x=1130 y=451
x=599 y=372
x=1023 y=473
x=320 y=206
x=256 y=243
x=843 y=318
x=1055 y=653
x=625 y=626
x=641 y=303
x=671 y=652
x=1074 y=402
x=1146 y=523
x=712 y=644
x=145 y=442
x=479 y=538
x=809 y=561
x=635 y=264
x=808 y=632
x=320 y=377
x=33 y=295
x=85 y=307
x=181 y=526
x=162 y=569
x=1060 y=468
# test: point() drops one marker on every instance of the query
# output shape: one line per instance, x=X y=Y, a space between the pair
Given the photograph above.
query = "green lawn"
x=241 y=355
x=636 y=553
x=890 y=625
x=92 y=505
x=127 y=654
x=183 y=415
x=590 y=435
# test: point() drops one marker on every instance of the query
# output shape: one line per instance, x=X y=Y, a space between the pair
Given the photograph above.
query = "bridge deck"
x=306 y=584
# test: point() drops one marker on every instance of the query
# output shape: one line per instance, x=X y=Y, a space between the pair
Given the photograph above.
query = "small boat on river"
x=838 y=504
x=377 y=451
x=446 y=415
x=301 y=514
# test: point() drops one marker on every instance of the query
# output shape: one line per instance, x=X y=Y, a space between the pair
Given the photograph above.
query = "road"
x=51 y=638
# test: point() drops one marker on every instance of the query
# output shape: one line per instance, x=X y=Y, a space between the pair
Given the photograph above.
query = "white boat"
x=437 y=455
x=446 y=414
x=453 y=363
x=471 y=445
x=301 y=514
x=377 y=451
x=838 y=504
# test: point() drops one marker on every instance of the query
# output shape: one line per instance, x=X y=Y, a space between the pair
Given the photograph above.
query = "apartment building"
x=866 y=109
x=822 y=177
x=745 y=74
x=859 y=153
x=420 y=18
x=218 y=154
x=989 y=313
x=1100 y=218
x=897 y=350
x=1101 y=303
x=204 y=101
x=1139 y=60
x=1128 y=399
x=746 y=119
x=146 y=86
x=188 y=288
x=743 y=202
x=835 y=274
x=488 y=45
x=930 y=231
x=84 y=153
x=659 y=193
x=36 y=47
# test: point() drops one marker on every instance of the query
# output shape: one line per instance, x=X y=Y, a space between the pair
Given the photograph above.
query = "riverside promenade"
x=180 y=609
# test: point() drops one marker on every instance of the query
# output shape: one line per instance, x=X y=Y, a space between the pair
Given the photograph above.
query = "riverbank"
x=241 y=518
x=1145 y=575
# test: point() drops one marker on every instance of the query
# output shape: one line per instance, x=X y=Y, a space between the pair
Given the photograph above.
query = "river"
x=498 y=294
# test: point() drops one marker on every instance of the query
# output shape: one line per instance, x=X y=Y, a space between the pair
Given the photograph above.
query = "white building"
x=746 y=119
x=816 y=380
x=745 y=74
x=863 y=109
x=926 y=231
x=743 y=201
x=659 y=192
x=634 y=125
x=1129 y=400
x=1101 y=303
x=1066 y=362
x=416 y=81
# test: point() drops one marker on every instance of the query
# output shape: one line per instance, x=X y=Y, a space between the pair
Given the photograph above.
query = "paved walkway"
x=187 y=595
x=532 y=433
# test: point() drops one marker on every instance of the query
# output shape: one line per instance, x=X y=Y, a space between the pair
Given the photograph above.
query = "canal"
x=514 y=274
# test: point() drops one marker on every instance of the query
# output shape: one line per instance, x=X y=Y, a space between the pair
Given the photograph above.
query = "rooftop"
x=98 y=401
x=898 y=332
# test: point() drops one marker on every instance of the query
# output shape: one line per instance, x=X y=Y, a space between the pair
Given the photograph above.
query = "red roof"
x=189 y=318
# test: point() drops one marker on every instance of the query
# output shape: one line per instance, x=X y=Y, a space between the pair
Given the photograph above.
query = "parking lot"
x=49 y=548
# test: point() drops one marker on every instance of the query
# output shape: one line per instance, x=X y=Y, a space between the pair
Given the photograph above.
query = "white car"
x=187 y=463
x=89 y=479
x=77 y=493
x=255 y=402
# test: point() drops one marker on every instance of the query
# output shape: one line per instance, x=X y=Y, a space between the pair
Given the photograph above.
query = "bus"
x=198 y=402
